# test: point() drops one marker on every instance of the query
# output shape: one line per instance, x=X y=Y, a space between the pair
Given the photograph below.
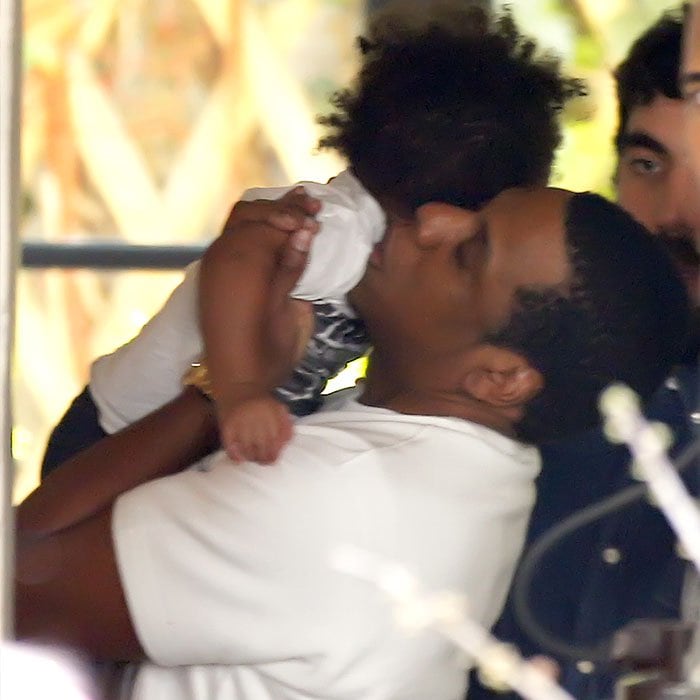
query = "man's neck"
x=387 y=389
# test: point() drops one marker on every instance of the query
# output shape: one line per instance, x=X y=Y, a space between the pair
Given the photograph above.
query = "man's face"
x=446 y=279
x=656 y=184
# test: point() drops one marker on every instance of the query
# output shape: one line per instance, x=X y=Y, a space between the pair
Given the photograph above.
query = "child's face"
x=448 y=277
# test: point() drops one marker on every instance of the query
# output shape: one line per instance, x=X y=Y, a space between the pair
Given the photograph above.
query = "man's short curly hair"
x=622 y=317
x=451 y=104
x=651 y=66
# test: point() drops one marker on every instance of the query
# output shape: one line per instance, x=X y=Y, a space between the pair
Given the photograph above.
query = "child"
x=254 y=422
x=450 y=105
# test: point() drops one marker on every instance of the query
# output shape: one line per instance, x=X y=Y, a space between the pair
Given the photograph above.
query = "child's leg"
x=78 y=428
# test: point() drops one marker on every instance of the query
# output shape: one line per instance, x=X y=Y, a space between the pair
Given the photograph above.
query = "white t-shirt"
x=147 y=372
x=227 y=576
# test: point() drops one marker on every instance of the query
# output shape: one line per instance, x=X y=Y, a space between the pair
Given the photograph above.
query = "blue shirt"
x=620 y=568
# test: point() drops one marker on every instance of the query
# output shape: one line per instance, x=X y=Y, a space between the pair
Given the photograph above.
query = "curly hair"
x=623 y=317
x=651 y=66
x=451 y=104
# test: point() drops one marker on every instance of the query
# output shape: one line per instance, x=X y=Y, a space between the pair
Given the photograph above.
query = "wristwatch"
x=197 y=376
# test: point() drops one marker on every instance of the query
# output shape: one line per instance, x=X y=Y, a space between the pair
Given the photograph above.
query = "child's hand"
x=255 y=429
x=292 y=212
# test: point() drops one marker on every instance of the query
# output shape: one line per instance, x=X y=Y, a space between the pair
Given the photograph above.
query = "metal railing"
x=108 y=255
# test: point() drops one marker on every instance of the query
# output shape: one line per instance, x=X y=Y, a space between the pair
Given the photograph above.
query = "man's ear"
x=501 y=377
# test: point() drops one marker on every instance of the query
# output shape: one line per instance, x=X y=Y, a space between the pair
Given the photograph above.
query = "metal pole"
x=10 y=62
x=108 y=255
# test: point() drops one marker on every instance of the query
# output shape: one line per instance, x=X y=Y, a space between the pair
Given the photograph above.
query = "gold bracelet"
x=197 y=376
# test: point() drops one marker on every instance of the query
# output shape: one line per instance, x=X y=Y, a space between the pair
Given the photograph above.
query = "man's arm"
x=68 y=590
x=162 y=443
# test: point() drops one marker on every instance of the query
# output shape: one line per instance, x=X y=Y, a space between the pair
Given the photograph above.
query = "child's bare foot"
x=255 y=430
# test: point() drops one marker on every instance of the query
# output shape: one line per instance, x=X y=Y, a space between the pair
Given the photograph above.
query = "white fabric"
x=351 y=224
x=226 y=571
x=147 y=372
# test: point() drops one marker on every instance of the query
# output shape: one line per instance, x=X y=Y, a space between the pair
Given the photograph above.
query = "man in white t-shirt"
x=490 y=330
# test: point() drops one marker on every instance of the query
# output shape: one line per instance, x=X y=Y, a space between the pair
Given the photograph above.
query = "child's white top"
x=352 y=223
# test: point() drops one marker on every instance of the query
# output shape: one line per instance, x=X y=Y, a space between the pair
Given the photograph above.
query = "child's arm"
x=238 y=326
x=146 y=372
x=253 y=425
